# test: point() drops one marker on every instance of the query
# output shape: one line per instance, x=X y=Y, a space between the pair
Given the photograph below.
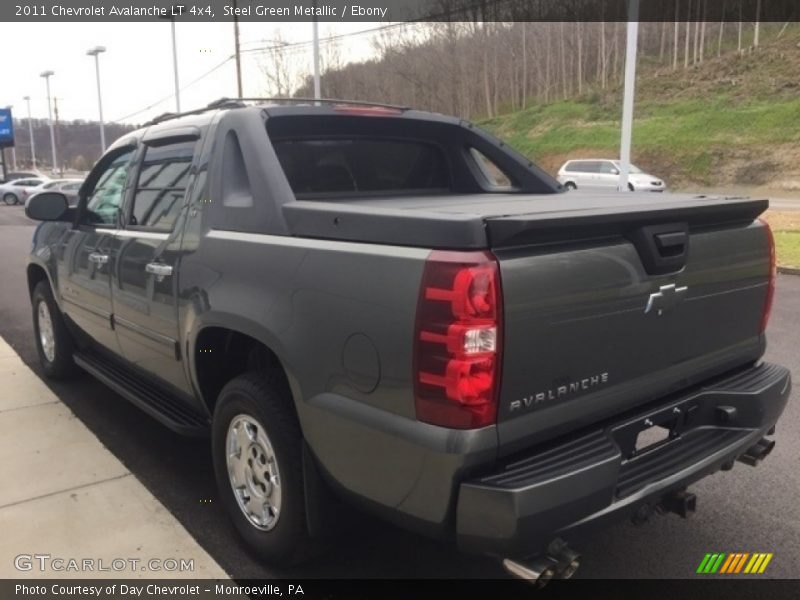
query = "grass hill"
x=733 y=120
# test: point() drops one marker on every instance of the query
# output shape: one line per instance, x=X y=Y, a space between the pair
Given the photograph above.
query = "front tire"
x=10 y=199
x=257 y=453
x=570 y=186
x=53 y=341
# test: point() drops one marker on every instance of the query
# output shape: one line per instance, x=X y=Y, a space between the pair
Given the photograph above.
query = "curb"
x=789 y=270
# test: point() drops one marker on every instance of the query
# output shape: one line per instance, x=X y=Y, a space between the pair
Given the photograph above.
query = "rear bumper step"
x=569 y=486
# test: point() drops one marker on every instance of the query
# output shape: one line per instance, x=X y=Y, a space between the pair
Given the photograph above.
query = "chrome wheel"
x=47 y=337
x=253 y=472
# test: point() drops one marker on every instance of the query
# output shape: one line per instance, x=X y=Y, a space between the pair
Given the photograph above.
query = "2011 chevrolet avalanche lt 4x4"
x=395 y=309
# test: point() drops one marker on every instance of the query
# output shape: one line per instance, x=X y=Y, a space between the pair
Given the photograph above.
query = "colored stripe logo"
x=734 y=563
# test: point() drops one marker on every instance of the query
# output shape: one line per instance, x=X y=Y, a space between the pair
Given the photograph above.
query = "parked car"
x=22 y=175
x=356 y=310
x=604 y=173
x=69 y=187
x=18 y=190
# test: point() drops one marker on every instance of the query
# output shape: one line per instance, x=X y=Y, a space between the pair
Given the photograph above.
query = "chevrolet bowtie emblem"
x=666 y=298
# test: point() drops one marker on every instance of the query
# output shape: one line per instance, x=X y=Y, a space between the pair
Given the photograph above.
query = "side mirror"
x=47 y=206
x=615 y=171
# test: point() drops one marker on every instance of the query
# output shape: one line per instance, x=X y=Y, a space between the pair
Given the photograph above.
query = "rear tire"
x=257 y=454
x=10 y=199
x=570 y=186
x=53 y=341
x=630 y=187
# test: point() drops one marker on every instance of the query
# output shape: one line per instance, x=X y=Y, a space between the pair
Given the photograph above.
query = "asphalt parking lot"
x=744 y=510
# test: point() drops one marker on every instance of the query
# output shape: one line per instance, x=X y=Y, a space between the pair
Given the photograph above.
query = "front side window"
x=162 y=184
x=608 y=168
x=106 y=197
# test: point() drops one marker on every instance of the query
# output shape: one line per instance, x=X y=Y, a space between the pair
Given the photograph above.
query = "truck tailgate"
x=601 y=315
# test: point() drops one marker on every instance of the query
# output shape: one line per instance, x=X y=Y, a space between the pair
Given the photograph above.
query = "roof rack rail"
x=306 y=100
x=240 y=103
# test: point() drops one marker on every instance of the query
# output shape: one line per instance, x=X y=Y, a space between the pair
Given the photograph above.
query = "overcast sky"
x=136 y=70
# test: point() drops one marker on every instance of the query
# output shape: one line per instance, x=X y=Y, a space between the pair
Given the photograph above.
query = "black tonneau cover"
x=503 y=220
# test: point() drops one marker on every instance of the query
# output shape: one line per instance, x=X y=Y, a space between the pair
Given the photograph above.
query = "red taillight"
x=773 y=268
x=457 y=342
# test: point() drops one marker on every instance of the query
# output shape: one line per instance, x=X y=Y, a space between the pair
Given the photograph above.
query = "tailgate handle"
x=662 y=248
x=671 y=244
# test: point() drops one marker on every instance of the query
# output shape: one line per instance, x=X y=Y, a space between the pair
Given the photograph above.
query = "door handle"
x=98 y=259
x=158 y=269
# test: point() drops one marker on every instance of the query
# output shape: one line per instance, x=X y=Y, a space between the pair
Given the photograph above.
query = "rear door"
x=590 y=174
x=84 y=260
x=146 y=255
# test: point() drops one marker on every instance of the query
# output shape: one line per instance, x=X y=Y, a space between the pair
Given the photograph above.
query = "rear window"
x=330 y=167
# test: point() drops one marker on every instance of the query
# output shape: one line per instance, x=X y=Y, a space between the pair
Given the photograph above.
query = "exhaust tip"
x=755 y=454
x=570 y=569
x=537 y=571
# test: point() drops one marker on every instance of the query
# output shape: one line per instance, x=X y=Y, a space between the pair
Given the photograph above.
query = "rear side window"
x=161 y=186
x=584 y=166
x=493 y=174
x=330 y=167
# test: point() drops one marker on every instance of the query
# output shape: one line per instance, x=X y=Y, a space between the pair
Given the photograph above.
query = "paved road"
x=744 y=510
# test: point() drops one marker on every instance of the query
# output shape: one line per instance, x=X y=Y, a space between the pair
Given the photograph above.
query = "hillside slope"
x=733 y=120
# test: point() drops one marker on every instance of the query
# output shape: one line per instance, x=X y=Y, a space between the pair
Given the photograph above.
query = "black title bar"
x=397 y=10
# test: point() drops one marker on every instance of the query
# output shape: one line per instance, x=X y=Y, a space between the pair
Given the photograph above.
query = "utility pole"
x=317 y=92
x=628 y=94
x=237 y=52
x=30 y=132
x=47 y=75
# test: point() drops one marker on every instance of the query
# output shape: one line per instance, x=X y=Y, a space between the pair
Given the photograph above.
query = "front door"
x=147 y=257
x=609 y=175
x=85 y=258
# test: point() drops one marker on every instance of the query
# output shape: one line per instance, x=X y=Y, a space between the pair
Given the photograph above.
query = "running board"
x=156 y=402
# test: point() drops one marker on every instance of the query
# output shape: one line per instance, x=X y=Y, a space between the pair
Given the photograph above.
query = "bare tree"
x=676 y=35
x=757 y=24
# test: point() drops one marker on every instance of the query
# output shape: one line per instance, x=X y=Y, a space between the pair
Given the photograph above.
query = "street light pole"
x=47 y=75
x=175 y=66
x=628 y=95
x=30 y=132
x=96 y=53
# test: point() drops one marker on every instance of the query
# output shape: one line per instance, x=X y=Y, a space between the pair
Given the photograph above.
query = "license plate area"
x=647 y=433
x=651 y=437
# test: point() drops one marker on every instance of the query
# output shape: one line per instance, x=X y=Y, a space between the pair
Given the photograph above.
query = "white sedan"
x=17 y=191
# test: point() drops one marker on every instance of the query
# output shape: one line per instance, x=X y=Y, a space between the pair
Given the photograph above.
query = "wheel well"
x=221 y=354
x=35 y=275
